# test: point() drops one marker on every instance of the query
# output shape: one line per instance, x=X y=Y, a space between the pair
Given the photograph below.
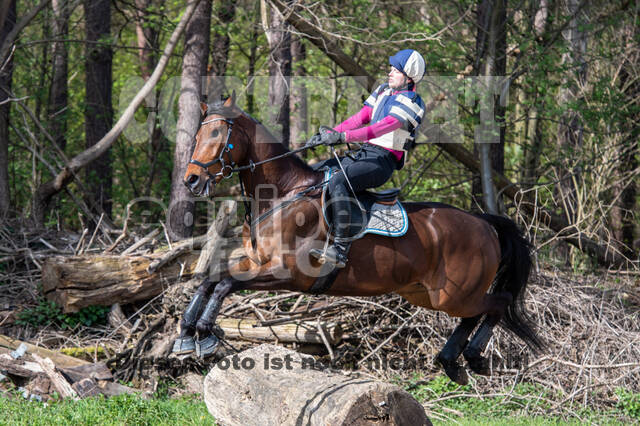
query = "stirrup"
x=331 y=255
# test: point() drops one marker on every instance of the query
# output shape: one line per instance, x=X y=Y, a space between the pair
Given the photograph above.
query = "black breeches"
x=371 y=167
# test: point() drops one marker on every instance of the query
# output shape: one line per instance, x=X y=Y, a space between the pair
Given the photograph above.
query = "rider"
x=394 y=111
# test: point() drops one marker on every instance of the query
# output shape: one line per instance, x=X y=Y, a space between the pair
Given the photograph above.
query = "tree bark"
x=253 y=58
x=491 y=64
x=216 y=87
x=5 y=107
x=271 y=385
x=79 y=281
x=570 y=128
x=147 y=37
x=625 y=192
x=533 y=135
x=98 y=109
x=299 y=114
x=279 y=39
x=298 y=331
x=194 y=68
x=46 y=191
x=58 y=93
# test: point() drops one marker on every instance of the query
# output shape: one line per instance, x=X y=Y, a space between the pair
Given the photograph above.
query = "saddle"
x=372 y=213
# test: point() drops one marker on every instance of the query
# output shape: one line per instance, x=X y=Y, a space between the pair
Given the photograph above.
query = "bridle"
x=232 y=167
x=226 y=150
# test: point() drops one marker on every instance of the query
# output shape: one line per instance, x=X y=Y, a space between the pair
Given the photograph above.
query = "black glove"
x=331 y=138
x=314 y=141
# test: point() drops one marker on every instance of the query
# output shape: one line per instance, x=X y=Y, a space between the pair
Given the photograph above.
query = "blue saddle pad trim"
x=371 y=229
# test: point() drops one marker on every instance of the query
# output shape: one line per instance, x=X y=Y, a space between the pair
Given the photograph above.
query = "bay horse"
x=447 y=260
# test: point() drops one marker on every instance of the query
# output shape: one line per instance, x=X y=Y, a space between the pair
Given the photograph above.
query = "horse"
x=471 y=266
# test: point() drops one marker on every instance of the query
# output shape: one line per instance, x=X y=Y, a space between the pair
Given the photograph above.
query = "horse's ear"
x=231 y=100
x=203 y=108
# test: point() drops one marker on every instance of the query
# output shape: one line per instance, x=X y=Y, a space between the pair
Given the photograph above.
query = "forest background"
x=565 y=105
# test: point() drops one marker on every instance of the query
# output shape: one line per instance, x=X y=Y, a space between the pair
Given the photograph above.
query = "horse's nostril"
x=192 y=180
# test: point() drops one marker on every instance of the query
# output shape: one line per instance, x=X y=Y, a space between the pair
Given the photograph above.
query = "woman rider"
x=394 y=111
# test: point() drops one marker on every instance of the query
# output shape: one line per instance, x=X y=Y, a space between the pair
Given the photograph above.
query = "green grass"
x=121 y=410
x=447 y=403
x=526 y=404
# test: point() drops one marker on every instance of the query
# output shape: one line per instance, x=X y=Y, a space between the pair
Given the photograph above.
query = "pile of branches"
x=589 y=324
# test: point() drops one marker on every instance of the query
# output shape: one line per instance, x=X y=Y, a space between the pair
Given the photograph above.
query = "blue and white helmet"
x=410 y=63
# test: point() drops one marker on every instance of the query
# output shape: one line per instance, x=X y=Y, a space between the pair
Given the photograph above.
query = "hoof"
x=184 y=345
x=207 y=346
x=479 y=365
x=454 y=371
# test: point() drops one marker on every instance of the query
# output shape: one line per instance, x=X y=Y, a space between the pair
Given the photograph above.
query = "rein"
x=233 y=168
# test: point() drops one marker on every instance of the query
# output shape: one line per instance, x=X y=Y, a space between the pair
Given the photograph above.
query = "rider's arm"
x=386 y=125
x=358 y=119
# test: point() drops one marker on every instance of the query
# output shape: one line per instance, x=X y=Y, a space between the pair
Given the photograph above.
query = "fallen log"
x=300 y=331
x=57 y=379
x=271 y=385
x=61 y=360
x=79 y=281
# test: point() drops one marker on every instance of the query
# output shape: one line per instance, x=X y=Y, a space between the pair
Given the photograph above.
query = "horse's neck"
x=276 y=179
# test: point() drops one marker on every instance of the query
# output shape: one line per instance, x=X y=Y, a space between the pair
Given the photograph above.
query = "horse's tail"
x=512 y=277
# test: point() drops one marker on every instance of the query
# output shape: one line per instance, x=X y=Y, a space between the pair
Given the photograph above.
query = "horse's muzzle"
x=193 y=182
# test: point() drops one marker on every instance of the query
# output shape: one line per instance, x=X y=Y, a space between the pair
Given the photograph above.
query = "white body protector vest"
x=398 y=139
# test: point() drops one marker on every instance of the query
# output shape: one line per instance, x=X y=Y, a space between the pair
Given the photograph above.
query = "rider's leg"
x=341 y=212
x=372 y=167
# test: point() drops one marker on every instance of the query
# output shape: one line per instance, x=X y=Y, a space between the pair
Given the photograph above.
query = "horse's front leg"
x=185 y=343
x=265 y=277
x=207 y=341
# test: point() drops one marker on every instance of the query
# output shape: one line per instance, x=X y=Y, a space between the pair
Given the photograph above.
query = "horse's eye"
x=215 y=133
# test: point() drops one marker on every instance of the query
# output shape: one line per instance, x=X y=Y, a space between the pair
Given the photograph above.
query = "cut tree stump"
x=271 y=385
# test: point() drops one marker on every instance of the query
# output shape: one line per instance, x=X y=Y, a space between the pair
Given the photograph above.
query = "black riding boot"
x=341 y=211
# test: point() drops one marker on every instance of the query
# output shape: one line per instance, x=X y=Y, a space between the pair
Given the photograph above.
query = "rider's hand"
x=332 y=138
x=315 y=140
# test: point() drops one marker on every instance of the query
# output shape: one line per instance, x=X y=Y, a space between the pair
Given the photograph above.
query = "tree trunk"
x=98 y=108
x=533 y=135
x=622 y=214
x=194 y=67
x=270 y=385
x=253 y=58
x=49 y=189
x=279 y=39
x=58 y=93
x=299 y=117
x=147 y=36
x=570 y=128
x=216 y=87
x=5 y=87
x=490 y=64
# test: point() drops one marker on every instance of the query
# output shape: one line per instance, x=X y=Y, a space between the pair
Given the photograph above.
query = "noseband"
x=227 y=149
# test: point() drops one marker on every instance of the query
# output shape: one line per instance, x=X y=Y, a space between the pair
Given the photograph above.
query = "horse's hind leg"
x=477 y=345
x=456 y=343
x=185 y=344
